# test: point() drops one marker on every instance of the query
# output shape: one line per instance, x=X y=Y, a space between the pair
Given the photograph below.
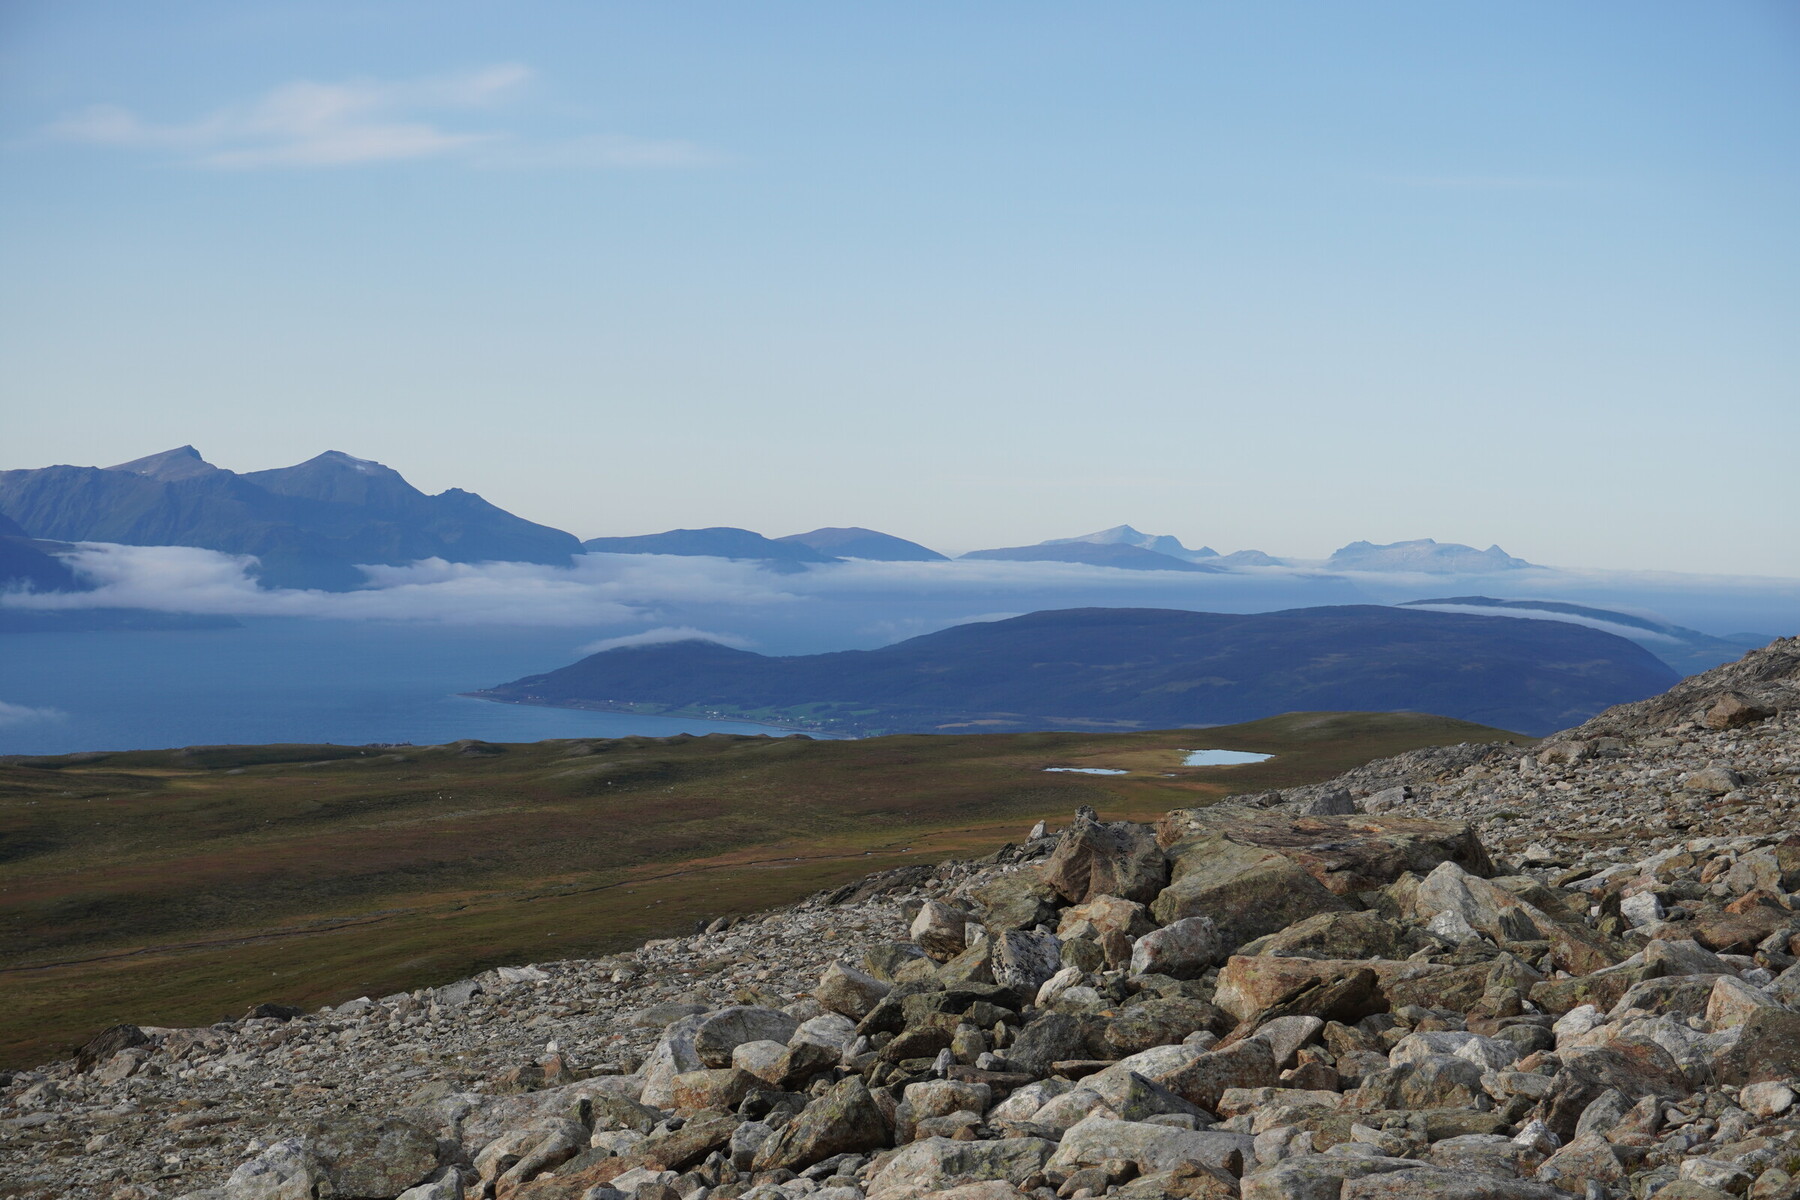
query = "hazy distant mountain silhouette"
x=1137 y=668
x=718 y=541
x=1098 y=554
x=307 y=524
x=856 y=542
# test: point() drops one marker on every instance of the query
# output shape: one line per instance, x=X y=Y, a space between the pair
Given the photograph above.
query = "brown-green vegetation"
x=177 y=887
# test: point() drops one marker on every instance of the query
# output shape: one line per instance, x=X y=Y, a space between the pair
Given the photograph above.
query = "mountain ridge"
x=309 y=525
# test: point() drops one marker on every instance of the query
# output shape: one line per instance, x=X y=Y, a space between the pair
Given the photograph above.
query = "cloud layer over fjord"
x=854 y=604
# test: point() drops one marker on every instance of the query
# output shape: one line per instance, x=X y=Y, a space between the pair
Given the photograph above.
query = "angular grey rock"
x=1181 y=949
x=1023 y=961
x=717 y=1034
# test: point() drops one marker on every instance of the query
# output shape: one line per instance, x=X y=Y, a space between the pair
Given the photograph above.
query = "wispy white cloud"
x=355 y=122
x=1538 y=614
x=21 y=714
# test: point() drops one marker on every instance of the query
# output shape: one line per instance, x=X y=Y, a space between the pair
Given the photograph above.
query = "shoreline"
x=678 y=713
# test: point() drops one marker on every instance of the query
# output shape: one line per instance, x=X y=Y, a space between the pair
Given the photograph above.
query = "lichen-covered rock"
x=1247 y=891
x=1098 y=1139
x=935 y=1164
x=842 y=1121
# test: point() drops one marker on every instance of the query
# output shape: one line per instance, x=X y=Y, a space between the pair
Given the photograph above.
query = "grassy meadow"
x=178 y=887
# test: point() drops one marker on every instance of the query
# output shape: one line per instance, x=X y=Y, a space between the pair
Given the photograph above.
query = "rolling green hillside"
x=175 y=887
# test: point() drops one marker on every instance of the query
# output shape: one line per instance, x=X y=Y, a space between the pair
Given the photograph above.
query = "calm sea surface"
x=291 y=681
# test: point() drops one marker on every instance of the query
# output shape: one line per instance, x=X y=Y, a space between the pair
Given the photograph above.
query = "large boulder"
x=934 y=1164
x=1317 y=1176
x=1767 y=1048
x=1435 y=1183
x=1024 y=961
x=844 y=1120
x=1508 y=917
x=1261 y=987
x=938 y=930
x=674 y=1054
x=1106 y=858
x=1333 y=935
x=1348 y=854
x=1246 y=890
x=1104 y=914
x=1163 y=1021
x=717 y=1034
x=1181 y=950
x=1016 y=900
x=348 y=1155
x=844 y=989
x=1097 y=1140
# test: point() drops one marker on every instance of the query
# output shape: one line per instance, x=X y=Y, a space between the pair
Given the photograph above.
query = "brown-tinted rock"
x=1348 y=854
x=1333 y=935
x=1207 y=1076
x=844 y=989
x=1733 y=709
x=1767 y=1049
x=1111 y=858
x=721 y=1088
x=1103 y=914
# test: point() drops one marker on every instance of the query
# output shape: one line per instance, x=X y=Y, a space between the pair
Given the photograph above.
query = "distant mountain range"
x=312 y=524
x=1687 y=650
x=1123 y=546
x=308 y=525
x=1109 y=668
x=1424 y=554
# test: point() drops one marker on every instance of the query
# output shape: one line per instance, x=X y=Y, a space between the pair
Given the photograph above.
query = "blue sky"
x=1273 y=275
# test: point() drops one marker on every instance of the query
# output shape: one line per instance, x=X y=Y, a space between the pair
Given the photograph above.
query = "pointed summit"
x=337 y=477
x=1125 y=535
x=183 y=462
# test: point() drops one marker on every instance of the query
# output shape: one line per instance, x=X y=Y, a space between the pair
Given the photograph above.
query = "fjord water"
x=292 y=681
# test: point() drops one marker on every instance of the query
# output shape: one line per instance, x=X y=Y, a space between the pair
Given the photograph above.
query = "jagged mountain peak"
x=1125 y=535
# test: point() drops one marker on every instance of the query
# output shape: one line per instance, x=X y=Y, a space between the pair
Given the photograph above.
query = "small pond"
x=1088 y=770
x=1223 y=758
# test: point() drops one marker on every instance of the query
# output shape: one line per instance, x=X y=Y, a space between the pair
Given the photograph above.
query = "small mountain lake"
x=1222 y=758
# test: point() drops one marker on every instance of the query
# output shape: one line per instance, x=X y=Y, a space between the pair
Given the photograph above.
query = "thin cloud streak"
x=359 y=122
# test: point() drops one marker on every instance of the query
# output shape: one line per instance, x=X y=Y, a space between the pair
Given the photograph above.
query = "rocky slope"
x=1473 y=972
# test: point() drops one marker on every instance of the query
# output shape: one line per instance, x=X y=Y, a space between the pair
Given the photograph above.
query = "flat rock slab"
x=1348 y=854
